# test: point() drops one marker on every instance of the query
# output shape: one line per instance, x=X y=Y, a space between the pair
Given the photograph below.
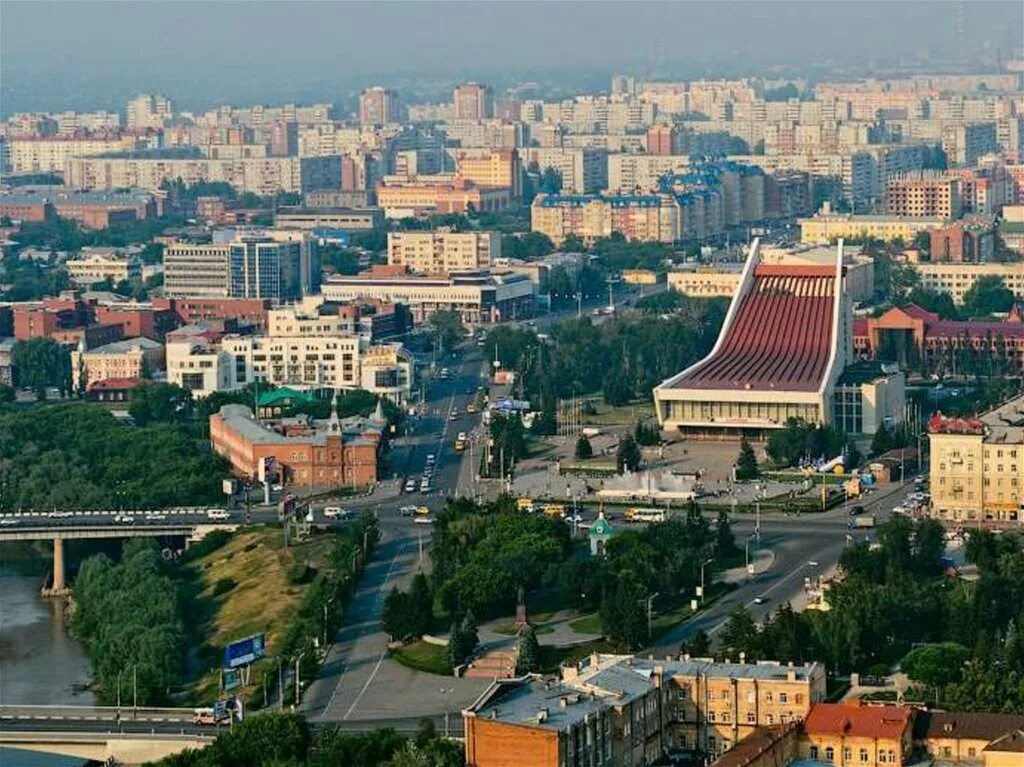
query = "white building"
x=96 y=264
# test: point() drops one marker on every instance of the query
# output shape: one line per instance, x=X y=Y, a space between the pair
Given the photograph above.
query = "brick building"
x=307 y=453
x=969 y=240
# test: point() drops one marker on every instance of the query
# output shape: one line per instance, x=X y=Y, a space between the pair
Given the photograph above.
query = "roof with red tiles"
x=853 y=720
x=114 y=384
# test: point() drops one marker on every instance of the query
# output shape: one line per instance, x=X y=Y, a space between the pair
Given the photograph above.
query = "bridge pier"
x=58 y=585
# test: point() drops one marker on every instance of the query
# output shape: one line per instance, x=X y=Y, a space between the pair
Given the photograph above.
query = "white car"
x=156 y=517
x=423 y=521
x=336 y=512
x=410 y=485
x=425 y=484
x=8 y=521
x=124 y=519
x=218 y=515
x=407 y=511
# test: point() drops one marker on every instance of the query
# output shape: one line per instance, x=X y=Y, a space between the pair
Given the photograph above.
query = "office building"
x=443 y=251
x=473 y=101
x=977 y=467
x=271 y=264
x=378 y=106
x=405 y=199
x=337 y=219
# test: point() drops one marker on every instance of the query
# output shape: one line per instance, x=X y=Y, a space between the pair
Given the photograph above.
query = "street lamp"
x=746 y=548
x=446 y=691
x=702 y=565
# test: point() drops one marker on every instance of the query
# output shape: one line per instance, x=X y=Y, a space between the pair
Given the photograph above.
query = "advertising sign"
x=245 y=651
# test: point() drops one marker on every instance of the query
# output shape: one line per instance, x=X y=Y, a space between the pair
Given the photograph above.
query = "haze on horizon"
x=91 y=55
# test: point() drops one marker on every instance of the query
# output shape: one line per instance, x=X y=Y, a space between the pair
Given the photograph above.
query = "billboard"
x=267 y=467
x=244 y=651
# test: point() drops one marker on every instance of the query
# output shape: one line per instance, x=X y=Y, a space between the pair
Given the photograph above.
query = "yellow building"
x=1008 y=751
x=131 y=358
x=638 y=218
x=964 y=738
x=490 y=168
x=443 y=251
x=639 y=276
x=705 y=281
x=957 y=279
x=855 y=735
x=98 y=264
x=977 y=467
x=827 y=227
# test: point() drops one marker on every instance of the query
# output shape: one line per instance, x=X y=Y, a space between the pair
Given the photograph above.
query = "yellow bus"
x=641 y=514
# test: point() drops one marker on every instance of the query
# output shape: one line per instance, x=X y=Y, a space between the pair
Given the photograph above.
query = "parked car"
x=124 y=519
x=8 y=521
x=410 y=486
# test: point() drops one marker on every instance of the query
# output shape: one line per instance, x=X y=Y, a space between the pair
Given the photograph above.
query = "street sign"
x=230 y=679
x=245 y=651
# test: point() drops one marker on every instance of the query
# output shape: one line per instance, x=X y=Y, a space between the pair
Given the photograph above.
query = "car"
x=470 y=408
x=421 y=511
x=423 y=521
x=8 y=521
x=407 y=511
x=410 y=485
x=431 y=458
x=856 y=510
x=124 y=519
x=919 y=479
x=156 y=517
x=425 y=484
x=453 y=416
x=332 y=512
x=760 y=600
x=899 y=509
x=812 y=563
x=218 y=515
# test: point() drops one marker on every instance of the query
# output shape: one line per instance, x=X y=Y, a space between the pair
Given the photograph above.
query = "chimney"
x=542 y=715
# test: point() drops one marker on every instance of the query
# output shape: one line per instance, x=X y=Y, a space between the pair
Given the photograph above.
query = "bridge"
x=128 y=736
x=192 y=523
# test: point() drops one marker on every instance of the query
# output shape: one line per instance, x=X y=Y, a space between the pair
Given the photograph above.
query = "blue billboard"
x=333 y=236
x=245 y=651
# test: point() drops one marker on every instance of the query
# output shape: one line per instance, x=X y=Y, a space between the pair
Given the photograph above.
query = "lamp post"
x=746 y=549
x=446 y=691
x=298 y=683
x=702 y=565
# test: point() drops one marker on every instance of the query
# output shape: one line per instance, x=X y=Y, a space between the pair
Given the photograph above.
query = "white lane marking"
x=383 y=652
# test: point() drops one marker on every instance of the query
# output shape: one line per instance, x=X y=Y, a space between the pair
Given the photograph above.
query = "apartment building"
x=273 y=264
x=148 y=110
x=640 y=173
x=644 y=218
x=378 y=106
x=264 y=176
x=131 y=358
x=404 y=199
x=473 y=101
x=51 y=154
x=96 y=264
x=933 y=195
x=957 y=279
x=583 y=171
x=626 y=710
x=966 y=142
x=826 y=226
x=970 y=239
x=443 y=251
x=498 y=168
x=977 y=467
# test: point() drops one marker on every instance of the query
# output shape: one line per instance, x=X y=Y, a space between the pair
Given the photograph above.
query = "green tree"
x=746 y=462
x=528 y=658
x=624 y=613
x=573 y=243
x=988 y=295
x=627 y=455
x=160 y=403
x=583 y=448
x=41 y=362
x=395 y=617
x=263 y=739
x=447 y=328
x=725 y=541
x=421 y=614
x=740 y=635
x=936 y=665
x=698 y=646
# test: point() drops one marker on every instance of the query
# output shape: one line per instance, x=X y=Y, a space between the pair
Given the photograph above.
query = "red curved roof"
x=780 y=338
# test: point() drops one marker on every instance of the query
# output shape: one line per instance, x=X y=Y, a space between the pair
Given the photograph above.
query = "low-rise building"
x=96 y=264
x=129 y=358
x=300 y=451
x=419 y=198
x=343 y=219
x=961 y=738
x=826 y=226
x=957 y=279
x=971 y=240
x=977 y=467
x=851 y=733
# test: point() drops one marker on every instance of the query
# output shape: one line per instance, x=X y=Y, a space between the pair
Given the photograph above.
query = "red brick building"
x=969 y=240
x=245 y=311
x=138 y=320
x=306 y=453
x=20 y=208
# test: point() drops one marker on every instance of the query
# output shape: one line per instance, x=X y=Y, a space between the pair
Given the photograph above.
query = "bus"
x=554 y=510
x=460 y=442
x=641 y=514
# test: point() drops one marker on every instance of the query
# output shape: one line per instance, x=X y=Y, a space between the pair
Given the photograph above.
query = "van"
x=554 y=510
x=217 y=515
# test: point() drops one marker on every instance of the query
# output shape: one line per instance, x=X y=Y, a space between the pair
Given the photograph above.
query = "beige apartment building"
x=96 y=264
x=924 y=194
x=826 y=226
x=957 y=279
x=443 y=251
x=52 y=154
x=640 y=172
x=977 y=467
x=639 y=218
x=582 y=170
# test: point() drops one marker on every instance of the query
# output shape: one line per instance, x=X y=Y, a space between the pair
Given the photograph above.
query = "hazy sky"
x=77 y=54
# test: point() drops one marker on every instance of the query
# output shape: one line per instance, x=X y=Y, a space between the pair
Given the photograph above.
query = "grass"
x=423 y=656
x=261 y=598
x=624 y=415
x=510 y=629
x=589 y=624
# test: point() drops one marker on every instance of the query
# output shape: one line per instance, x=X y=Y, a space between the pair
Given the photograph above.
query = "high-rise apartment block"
x=491 y=168
x=924 y=194
x=443 y=251
x=473 y=101
x=149 y=110
x=378 y=106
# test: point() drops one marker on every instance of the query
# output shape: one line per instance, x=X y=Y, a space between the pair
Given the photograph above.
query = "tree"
x=573 y=243
x=41 y=362
x=853 y=458
x=698 y=646
x=988 y=295
x=262 y=739
x=421 y=613
x=447 y=327
x=627 y=455
x=528 y=658
x=584 y=450
x=740 y=635
x=725 y=541
x=646 y=435
x=395 y=616
x=936 y=665
x=462 y=640
x=160 y=403
x=624 y=613
x=746 y=462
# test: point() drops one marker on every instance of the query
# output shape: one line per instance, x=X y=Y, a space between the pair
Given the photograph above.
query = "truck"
x=214 y=715
x=864 y=520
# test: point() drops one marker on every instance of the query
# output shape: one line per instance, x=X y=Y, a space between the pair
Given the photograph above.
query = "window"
x=971 y=752
x=751 y=697
x=847 y=754
x=814 y=752
x=769 y=697
x=751 y=719
x=711 y=716
x=863 y=754
x=783 y=698
x=830 y=754
x=192 y=381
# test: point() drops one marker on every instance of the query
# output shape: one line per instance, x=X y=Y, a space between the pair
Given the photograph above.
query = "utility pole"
x=280 y=685
x=135 y=689
x=702 y=589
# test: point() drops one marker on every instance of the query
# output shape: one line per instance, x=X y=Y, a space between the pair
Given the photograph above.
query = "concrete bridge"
x=191 y=523
x=128 y=736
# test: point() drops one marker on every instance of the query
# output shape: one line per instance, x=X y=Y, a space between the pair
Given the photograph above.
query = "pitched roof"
x=1012 y=742
x=856 y=720
x=962 y=724
x=755 y=745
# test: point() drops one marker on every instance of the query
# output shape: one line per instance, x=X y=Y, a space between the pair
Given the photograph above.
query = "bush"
x=223 y=586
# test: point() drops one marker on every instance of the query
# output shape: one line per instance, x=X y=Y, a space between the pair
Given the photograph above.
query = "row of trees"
x=800 y=442
x=892 y=599
x=286 y=740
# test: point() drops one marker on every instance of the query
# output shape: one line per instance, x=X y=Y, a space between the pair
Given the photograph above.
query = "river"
x=40 y=664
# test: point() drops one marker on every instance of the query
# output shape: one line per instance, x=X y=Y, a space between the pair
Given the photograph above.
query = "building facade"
x=443 y=251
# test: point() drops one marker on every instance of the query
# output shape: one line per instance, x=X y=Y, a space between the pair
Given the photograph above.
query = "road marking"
x=383 y=652
x=341 y=678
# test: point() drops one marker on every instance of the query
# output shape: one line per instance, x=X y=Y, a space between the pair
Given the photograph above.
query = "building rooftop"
x=535 y=702
x=855 y=720
x=240 y=419
x=686 y=666
x=127 y=345
x=1012 y=742
x=962 y=724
